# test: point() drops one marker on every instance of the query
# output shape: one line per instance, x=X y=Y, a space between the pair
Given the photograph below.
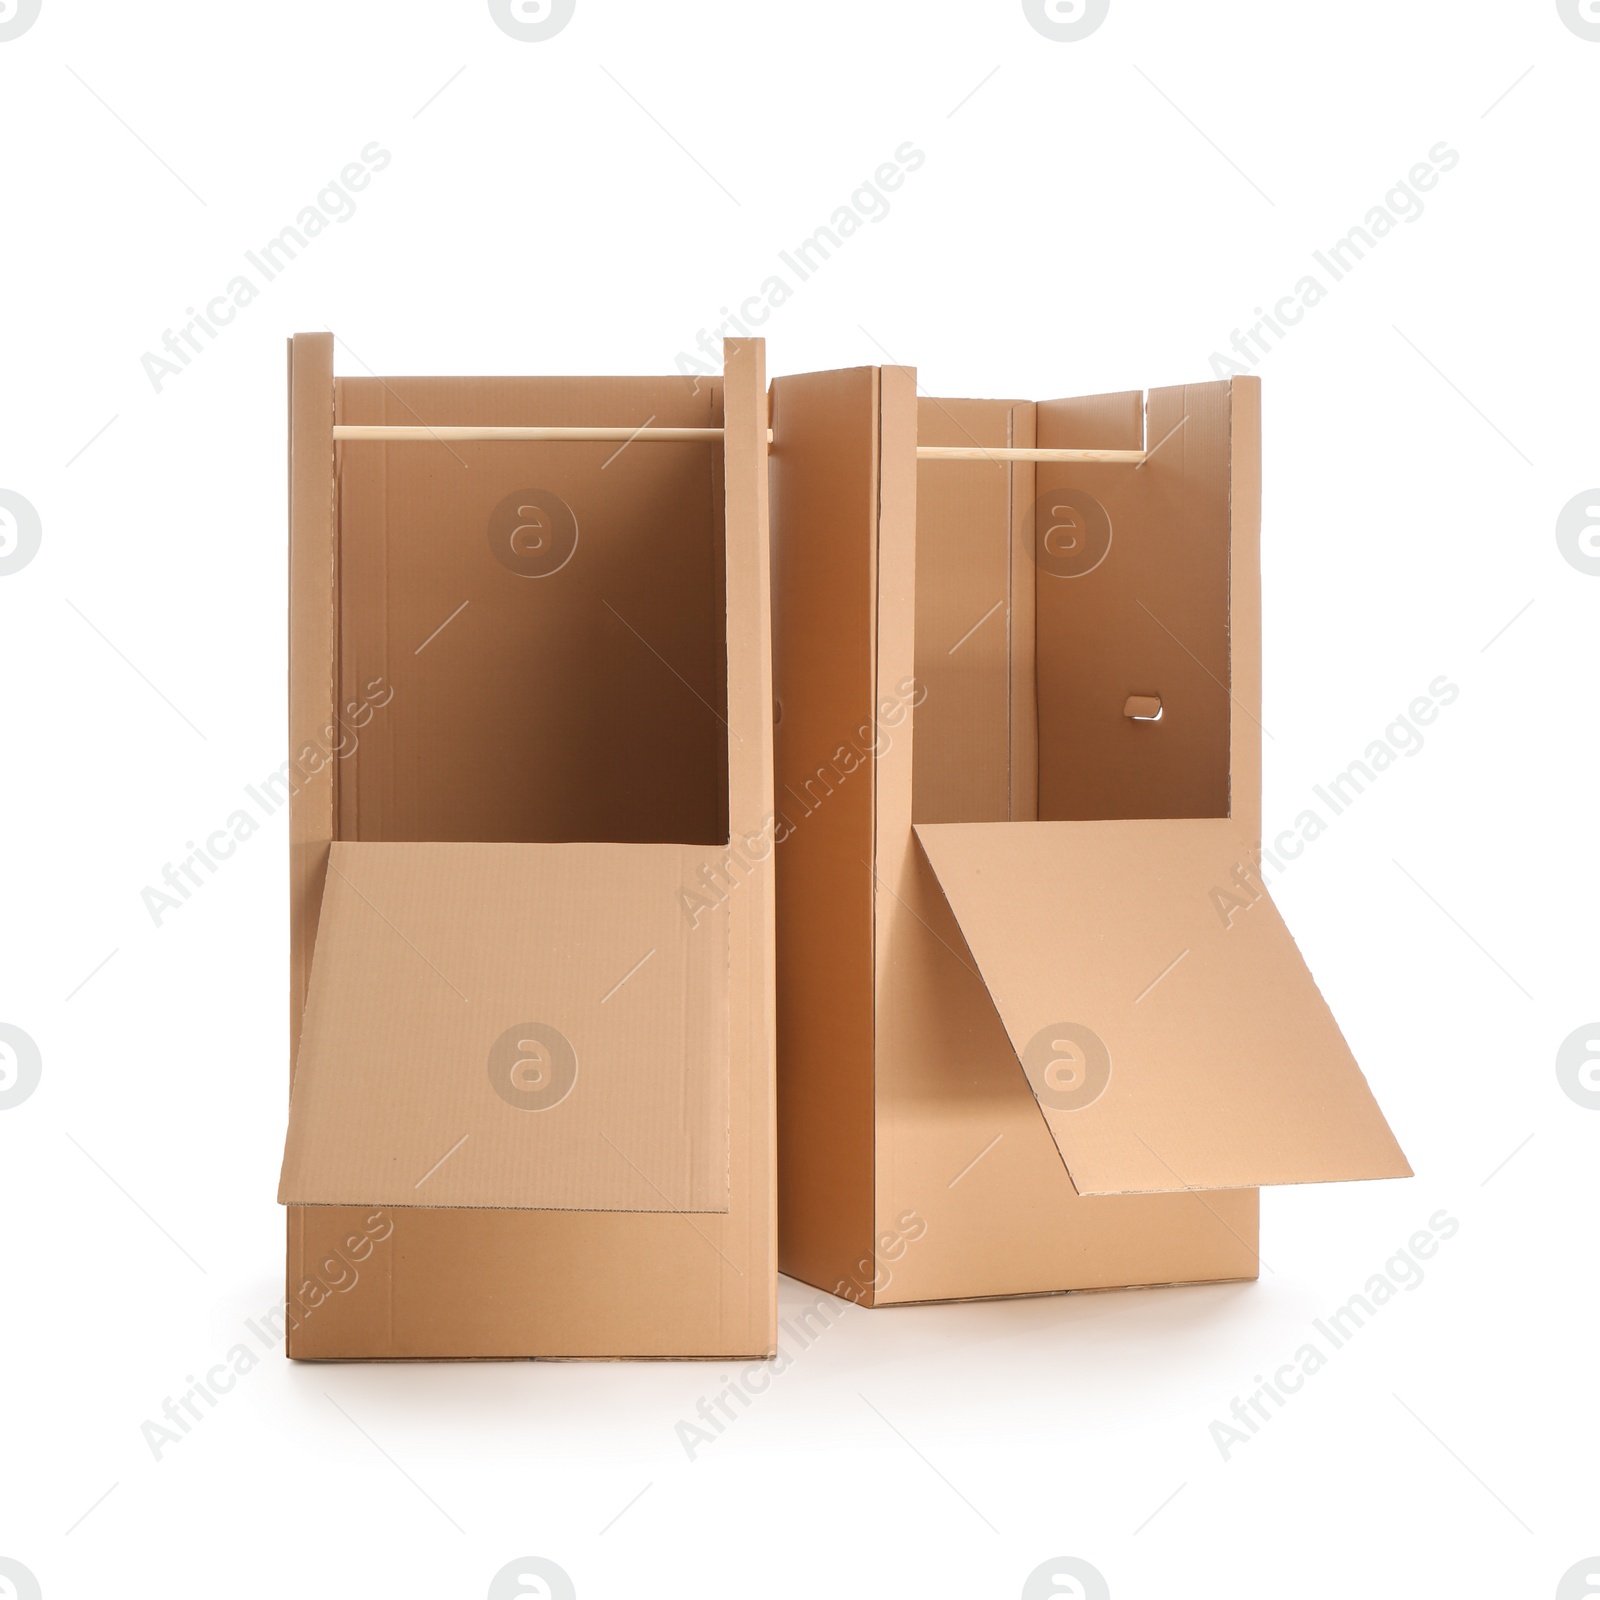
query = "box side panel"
x=464 y=1285
x=1133 y=599
x=977 y=723
x=313 y=555
x=1024 y=587
x=1244 y=605
x=973 y=707
x=964 y=612
x=824 y=530
x=748 y=1305
x=313 y=735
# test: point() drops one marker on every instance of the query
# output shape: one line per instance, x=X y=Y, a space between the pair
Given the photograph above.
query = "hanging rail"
x=383 y=433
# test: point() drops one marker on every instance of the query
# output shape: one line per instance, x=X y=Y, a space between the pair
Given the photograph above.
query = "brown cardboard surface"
x=965 y=1161
x=584 y=700
x=1151 y=618
x=513 y=1025
x=963 y=628
x=466 y=1283
x=1244 y=606
x=1024 y=432
x=971 y=1196
x=824 y=531
x=747 y=1319
x=312 y=580
x=1170 y=1044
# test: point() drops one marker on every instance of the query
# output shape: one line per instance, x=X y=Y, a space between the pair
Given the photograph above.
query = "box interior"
x=1031 y=642
x=532 y=637
x=1073 y=769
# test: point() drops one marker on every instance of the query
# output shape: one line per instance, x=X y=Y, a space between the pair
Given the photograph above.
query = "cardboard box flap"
x=1166 y=1022
x=531 y=1026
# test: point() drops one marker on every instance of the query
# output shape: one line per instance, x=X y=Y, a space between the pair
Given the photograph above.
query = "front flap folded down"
x=1166 y=1022
x=540 y=1026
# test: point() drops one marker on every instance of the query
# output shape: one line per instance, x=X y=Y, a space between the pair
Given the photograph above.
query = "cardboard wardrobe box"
x=1040 y=1025
x=532 y=905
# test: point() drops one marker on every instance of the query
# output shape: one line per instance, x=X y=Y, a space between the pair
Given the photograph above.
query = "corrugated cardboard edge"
x=1244 y=606
x=313 y=574
x=753 y=978
x=312 y=669
x=1021 y=615
x=894 y=615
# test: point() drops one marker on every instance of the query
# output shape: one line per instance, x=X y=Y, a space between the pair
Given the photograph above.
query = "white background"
x=1072 y=230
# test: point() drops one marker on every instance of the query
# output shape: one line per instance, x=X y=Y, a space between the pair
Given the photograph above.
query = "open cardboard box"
x=1040 y=1024
x=532 y=918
